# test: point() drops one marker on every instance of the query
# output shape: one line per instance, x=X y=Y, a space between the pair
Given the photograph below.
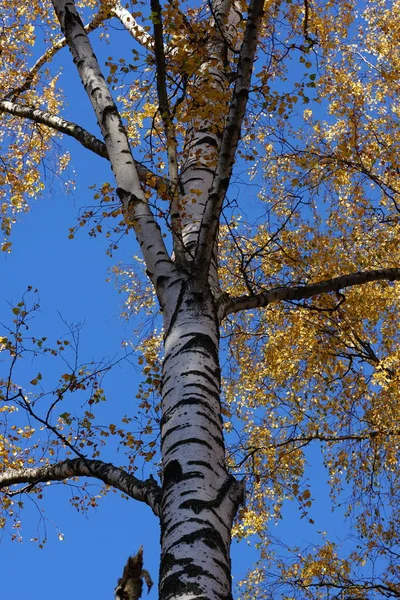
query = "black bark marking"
x=193 y=179
x=199 y=168
x=211 y=420
x=208 y=535
x=201 y=340
x=205 y=389
x=70 y=21
x=109 y=110
x=192 y=475
x=188 y=401
x=218 y=440
x=224 y=567
x=166 y=529
x=201 y=463
x=174 y=584
x=199 y=505
x=195 y=298
x=161 y=279
x=94 y=90
x=160 y=260
x=172 y=430
x=176 y=310
x=203 y=375
x=207 y=139
x=188 y=441
x=200 y=351
x=172 y=473
x=215 y=372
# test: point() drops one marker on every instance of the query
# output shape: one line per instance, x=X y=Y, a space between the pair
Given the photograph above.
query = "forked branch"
x=50 y=52
x=146 y=491
x=106 y=11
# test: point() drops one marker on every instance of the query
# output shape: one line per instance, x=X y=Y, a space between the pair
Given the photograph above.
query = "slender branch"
x=61 y=125
x=230 y=305
x=89 y=141
x=146 y=491
x=230 y=139
x=352 y=586
x=304 y=440
x=166 y=117
x=131 y=25
x=25 y=404
x=351 y=437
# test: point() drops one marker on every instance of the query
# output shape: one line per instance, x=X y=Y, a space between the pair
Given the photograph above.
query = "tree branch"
x=166 y=117
x=304 y=440
x=230 y=138
x=61 y=125
x=89 y=141
x=230 y=305
x=362 y=587
x=146 y=491
x=131 y=25
x=136 y=209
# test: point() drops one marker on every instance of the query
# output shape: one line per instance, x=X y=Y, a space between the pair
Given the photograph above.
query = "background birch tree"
x=251 y=154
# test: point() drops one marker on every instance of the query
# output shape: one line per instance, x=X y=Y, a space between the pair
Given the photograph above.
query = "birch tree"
x=252 y=150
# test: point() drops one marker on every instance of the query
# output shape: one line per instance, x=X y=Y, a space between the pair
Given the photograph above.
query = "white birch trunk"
x=204 y=135
x=199 y=497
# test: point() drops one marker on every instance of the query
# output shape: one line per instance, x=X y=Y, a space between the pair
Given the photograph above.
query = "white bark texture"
x=200 y=497
x=204 y=134
x=80 y=134
x=131 y=25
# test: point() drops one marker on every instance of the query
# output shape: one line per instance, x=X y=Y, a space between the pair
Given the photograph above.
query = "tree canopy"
x=251 y=154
